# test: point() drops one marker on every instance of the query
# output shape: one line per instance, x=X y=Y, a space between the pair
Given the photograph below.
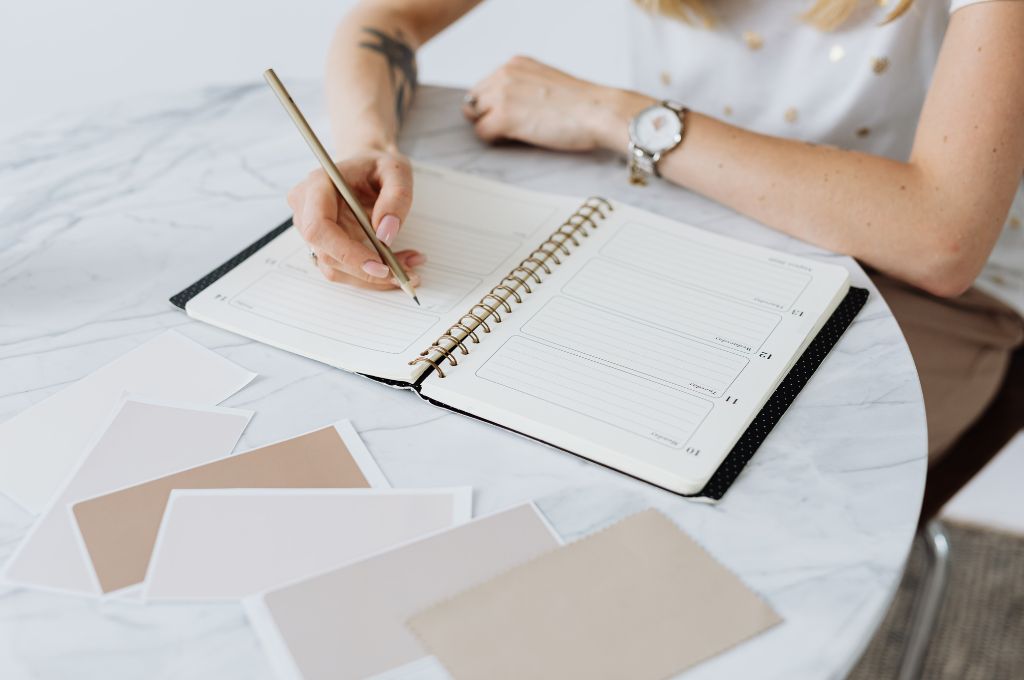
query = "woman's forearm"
x=370 y=79
x=932 y=220
x=890 y=215
x=371 y=68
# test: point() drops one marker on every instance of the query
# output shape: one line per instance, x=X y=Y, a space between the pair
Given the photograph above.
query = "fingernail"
x=417 y=259
x=387 y=229
x=377 y=269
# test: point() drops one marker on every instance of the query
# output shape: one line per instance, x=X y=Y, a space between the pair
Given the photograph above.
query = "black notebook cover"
x=748 y=443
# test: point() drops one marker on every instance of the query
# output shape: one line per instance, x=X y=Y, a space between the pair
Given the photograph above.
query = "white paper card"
x=41 y=445
x=229 y=543
x=143 y=440
x=349 y=622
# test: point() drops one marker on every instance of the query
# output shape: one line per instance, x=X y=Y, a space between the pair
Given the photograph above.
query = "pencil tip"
x=416 y=300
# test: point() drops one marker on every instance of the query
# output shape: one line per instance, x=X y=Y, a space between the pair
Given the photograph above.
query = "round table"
x=104 y=216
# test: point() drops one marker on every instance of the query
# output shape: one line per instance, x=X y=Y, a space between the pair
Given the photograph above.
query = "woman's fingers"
x=471 y=108
x=320 y=201
x=490 y=112
x=312 y=199
x=332 y=271
x=351 y=256
x=394 y=199
x=343 y=254
x=317 y=220
x=337 y=276
x=410 y=258
x=491 y=127
x=492 y=123
x=530 y=102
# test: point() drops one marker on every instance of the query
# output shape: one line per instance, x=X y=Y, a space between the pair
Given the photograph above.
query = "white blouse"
x=860 y=87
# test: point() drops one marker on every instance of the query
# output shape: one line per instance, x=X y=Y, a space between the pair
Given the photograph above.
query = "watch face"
x=656 y=129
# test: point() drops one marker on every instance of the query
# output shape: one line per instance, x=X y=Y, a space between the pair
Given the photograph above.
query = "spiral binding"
x=499 y=300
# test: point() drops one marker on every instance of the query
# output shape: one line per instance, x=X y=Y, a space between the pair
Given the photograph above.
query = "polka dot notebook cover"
x=647 y=345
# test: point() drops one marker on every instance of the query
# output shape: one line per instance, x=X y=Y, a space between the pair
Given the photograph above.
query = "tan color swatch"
x=638 y=600
x=142 y=440
x=119 y=529
x=350 y=622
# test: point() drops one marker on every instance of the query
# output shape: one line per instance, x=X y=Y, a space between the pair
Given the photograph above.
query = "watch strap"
x=641 y=165
x=675 y=106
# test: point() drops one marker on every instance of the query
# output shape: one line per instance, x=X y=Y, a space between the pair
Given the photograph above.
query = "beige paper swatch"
x=141 y=441
x=119 y=529
x=350 y=622
x=638 y=600
x=40 y=446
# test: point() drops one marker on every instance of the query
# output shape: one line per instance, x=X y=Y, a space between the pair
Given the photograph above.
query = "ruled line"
x=652 y=351
x=439 y=291
x=627 y=401
x=680 y=308
x=714 y=269
x=334 y=311
x=457 y=248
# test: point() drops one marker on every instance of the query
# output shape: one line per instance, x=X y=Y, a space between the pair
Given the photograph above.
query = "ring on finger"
x=471 y=101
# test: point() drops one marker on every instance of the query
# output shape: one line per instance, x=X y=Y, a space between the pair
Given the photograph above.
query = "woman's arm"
x=371 y=67
x=371 y=79
x=931 y=221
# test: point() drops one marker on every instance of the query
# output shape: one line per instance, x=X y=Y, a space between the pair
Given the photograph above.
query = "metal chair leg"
x=928 y=601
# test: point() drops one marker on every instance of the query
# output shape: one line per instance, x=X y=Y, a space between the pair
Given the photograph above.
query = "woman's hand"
x=382 y=181
x=531 y=102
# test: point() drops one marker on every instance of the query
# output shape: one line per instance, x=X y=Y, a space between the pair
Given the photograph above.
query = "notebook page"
x=472 y=232
x=650 y=349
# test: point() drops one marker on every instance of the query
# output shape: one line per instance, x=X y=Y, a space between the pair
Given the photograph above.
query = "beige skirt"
x=962 y=348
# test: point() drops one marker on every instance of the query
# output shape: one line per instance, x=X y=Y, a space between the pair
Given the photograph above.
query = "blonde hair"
x=826 y=15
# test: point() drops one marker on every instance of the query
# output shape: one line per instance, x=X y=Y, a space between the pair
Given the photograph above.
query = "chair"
x=1003 y=419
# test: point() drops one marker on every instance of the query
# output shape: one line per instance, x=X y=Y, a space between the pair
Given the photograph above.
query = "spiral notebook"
x=644 y=344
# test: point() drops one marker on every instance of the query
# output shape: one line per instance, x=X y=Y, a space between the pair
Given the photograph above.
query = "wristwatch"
x=652 y=133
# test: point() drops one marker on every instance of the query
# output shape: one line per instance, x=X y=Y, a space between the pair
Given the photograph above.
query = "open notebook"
x=641 y=343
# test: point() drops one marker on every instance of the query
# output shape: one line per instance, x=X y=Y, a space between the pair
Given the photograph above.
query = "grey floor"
x=980 y=633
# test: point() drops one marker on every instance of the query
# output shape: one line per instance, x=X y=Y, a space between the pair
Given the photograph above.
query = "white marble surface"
x=103 y=217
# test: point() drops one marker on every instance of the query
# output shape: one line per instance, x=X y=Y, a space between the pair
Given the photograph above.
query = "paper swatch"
x=40 y=446
x=141 y=440
x=217 y=544
x=637 y=600
x=350 y=622
x=119 y=529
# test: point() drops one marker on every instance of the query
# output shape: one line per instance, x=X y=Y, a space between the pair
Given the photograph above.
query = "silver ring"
x=470 y=100
x=312 y=256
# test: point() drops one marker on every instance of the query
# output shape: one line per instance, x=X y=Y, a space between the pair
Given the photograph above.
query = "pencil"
x=339 y=182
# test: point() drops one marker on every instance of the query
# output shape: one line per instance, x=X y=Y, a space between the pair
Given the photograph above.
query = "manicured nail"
x=417 y=259
x=387 y=229
x=376 y=269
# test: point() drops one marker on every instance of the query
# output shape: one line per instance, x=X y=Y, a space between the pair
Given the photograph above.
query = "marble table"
x=103 y=216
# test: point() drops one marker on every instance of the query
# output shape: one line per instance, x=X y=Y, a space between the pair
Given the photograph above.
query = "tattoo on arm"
x=401 y=59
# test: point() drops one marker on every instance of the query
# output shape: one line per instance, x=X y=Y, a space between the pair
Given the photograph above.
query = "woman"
x=889 y=130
